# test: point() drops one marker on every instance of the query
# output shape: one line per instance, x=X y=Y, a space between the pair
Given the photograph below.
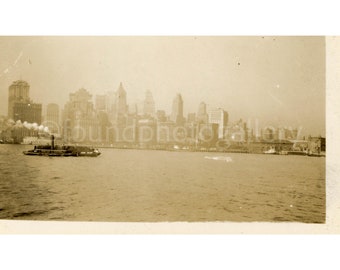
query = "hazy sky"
x=278 y=80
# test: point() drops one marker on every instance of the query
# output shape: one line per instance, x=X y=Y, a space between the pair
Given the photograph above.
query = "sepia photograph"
x=169 y=134
x=163 y=128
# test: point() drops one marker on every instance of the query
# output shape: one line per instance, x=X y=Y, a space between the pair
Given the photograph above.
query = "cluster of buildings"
x=110 y=121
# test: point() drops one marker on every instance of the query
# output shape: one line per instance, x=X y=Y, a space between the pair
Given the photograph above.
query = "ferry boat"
x=62 y=151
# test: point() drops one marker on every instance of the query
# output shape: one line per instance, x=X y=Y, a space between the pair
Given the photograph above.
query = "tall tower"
x=177 y=110
x=18 y=92
x=80 y=122
x=202 y=115
x=20 y=107
x=121 y=106
x=149 y=104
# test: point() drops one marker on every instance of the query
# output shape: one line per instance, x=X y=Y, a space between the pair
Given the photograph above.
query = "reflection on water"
x=141 y=185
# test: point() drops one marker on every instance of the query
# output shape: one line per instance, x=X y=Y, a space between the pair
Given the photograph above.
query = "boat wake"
x=221 y=158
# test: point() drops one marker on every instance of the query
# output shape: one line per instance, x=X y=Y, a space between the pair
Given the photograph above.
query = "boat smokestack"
x=52 y=142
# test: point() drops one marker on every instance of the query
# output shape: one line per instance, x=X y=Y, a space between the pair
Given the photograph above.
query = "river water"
x=152 y=186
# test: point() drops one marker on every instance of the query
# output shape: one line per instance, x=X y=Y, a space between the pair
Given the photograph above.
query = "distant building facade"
x=18 y=92
x=166 y=133
x=20 y=106
x=101 y=102
x=120 y=115
x=177 y=110
x=52 y=119
x=161 y=116
x=202 y=116
x=220 y=117
x=80 y=122
x=29 y=112
x=191 y=117
x=121 y=106
x=149 y=104
x=208 y=134
x=147 y=132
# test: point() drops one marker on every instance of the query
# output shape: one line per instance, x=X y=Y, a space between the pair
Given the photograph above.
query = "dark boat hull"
x=60 y=153
x=62 y=150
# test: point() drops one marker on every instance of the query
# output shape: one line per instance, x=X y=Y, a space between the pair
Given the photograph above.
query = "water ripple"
x=135 y=185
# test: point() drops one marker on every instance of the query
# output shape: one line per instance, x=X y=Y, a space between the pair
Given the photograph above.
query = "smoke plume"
x=32 y=126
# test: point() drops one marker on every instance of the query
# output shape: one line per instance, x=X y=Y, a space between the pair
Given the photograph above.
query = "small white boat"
x=270 y=151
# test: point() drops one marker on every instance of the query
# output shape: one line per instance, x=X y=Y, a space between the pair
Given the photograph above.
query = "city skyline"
x=272 y=76
x=114 y=105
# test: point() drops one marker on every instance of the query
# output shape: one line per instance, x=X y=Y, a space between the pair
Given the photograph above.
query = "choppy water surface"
x=141 y=185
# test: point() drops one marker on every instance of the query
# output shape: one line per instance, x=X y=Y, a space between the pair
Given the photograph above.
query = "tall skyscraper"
x=220 y=117
x=149 y=104
x=121 y=105
x=202 y=116
x=20 y=107
x=80 y=122
x=52 y=118
x=121 y=108
x=18 y=91
x=177 y=110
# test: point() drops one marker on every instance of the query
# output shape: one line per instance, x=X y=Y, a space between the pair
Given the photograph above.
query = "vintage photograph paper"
x=163 y=129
